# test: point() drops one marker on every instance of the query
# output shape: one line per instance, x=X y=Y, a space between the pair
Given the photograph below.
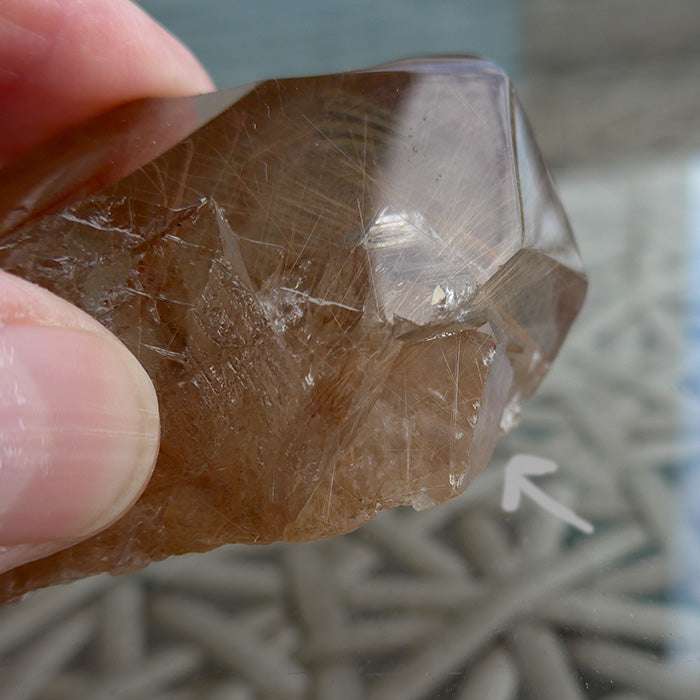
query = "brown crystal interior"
x=339 y=285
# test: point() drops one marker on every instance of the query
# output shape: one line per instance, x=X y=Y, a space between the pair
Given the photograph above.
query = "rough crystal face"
x=342 y=287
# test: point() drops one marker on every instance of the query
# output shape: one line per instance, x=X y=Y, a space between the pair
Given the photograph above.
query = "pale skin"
x=79 y=422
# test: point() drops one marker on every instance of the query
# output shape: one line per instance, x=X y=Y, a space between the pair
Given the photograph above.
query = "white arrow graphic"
x=518 y=469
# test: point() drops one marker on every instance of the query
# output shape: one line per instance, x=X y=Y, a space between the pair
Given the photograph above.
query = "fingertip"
x=63 y=62
x=79 y=425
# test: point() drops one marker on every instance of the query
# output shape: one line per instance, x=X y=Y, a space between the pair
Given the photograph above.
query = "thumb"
x=79 y=426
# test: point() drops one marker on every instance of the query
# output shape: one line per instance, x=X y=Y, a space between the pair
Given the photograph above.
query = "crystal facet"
x=342 y=287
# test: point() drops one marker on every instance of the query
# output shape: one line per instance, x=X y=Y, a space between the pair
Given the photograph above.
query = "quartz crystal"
x=342 y=287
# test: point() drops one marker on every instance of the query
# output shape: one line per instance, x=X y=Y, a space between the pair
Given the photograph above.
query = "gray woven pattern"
x=460 y=601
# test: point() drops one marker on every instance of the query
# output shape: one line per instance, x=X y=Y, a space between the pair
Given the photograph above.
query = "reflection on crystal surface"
x=338 y=285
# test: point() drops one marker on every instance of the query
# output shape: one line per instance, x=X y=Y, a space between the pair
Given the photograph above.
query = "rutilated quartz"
x=341 y=286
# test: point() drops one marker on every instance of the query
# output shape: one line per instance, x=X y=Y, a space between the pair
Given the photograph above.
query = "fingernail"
x=79 y=432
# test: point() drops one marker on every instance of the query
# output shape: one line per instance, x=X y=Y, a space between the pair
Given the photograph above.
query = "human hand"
x=79 y=424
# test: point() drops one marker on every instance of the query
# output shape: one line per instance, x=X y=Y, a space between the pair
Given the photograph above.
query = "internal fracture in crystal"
x=341 y=286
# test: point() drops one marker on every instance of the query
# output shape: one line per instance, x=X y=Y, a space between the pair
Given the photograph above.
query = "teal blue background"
x=243 y=41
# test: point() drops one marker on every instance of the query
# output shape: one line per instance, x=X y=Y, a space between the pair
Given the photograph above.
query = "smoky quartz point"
x=341 y=286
